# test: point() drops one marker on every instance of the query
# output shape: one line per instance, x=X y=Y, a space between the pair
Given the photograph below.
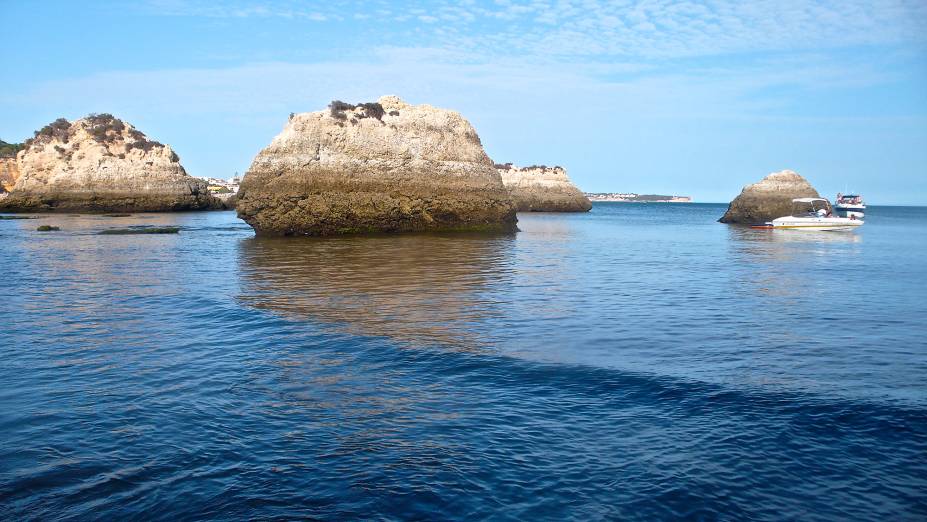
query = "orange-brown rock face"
x=9 y=174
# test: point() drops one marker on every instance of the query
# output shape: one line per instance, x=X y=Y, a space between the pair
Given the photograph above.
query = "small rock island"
x=769 y=198
x=540 y=188
x=99 y=164
x=374 y=167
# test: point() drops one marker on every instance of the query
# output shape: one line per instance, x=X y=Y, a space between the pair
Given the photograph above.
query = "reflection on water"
x=85 y=276
x=788 y=245
x=743 y=233
x=421 y=289
x=777 y=258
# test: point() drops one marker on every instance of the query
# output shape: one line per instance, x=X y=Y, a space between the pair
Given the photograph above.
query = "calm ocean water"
x=637 y=362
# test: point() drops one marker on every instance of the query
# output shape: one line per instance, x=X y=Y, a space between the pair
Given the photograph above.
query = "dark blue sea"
x=639 y=362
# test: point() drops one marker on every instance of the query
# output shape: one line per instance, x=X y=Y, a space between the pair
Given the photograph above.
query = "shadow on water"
x=421 y=289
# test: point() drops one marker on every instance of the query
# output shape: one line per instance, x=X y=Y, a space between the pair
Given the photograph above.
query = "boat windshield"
x=809 y=208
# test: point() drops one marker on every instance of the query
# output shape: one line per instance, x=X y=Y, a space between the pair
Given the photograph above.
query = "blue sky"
x=696 y=98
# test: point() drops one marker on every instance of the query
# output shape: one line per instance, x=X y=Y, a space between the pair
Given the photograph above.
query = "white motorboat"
x=811 y=214
x=850 y=205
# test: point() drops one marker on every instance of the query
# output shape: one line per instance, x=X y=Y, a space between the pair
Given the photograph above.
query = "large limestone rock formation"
x=540 y=188
x=386 y=166
x=101 y=164
x=768 y=199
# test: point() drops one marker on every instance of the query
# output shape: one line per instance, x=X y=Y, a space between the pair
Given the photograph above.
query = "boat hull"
x=815 y=223
x=856 y=211
x=814 y=227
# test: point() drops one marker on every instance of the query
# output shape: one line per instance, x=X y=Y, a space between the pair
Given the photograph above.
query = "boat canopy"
x=808 y=200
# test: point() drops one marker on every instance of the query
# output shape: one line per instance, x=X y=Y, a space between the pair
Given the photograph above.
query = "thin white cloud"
x=436 y=76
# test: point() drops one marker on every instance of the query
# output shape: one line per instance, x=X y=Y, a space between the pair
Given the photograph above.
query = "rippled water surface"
x=637 y=362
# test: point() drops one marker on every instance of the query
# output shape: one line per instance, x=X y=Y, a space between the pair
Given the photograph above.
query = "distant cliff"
x=769 y=198
x=9 y=150
x=385 y=166
x=630 y=197
x=100 y=163
x=540 y=188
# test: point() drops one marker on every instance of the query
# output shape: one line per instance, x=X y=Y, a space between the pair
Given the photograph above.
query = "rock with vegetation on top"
x=101 y=164
x=375 y=167
x=768 y=199
x=540 y=188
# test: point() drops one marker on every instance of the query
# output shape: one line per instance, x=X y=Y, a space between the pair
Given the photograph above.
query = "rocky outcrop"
x=9 y=173
x=101 y=164
x=768 y=199
x=376 y=167
x=540 y=188
x=228 y=201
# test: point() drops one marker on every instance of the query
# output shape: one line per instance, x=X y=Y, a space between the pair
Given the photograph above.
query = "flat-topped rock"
x=101 y=164
x=768 y=199
x=376 y=167
x=540 y=188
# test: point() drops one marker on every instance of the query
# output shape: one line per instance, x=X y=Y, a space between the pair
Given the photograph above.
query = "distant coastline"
x=630 y=197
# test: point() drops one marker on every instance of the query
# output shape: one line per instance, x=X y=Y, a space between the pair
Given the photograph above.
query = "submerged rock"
x=768 y=199
x=540 y=188
x=101 y=164
x=139 y=230
x=376 y=167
